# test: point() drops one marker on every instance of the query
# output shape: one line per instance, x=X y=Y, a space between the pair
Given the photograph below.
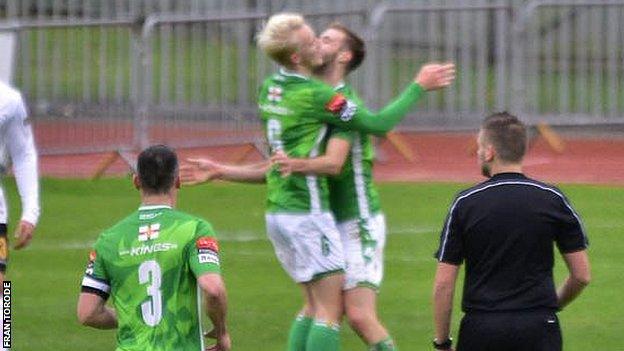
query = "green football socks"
x=384 y=345
x=323 y=337
x=298 y=336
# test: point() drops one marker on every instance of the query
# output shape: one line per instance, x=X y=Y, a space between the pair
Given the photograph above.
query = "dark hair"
x=507 y=134
x=354 y=43
x=157 y=166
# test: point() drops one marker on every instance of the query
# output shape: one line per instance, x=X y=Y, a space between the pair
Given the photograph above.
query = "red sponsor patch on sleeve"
x=206 y=242
x=336 y=104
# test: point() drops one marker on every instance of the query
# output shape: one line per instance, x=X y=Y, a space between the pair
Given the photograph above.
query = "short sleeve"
x=570 y=236
x=451 y=248
x=95 y=279
x=203 y=253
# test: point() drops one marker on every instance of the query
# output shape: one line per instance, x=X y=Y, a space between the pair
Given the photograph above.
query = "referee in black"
x=504 y=229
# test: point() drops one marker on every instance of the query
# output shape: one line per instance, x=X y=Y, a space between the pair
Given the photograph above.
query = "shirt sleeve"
x=95 y=280
x=335 y=109
x=570 y=236
x=203 y=253
x=343 y=134
x=451 y=248
x=21 y=147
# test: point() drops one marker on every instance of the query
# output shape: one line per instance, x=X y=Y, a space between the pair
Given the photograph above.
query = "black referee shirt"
x=504 y=228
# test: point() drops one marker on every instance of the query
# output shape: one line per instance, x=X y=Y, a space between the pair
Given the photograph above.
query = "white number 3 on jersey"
x=149 y=273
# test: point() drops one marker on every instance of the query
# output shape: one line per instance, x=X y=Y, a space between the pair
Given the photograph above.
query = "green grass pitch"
x=262 y=299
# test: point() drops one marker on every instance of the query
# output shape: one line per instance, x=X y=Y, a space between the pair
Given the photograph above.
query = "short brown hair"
x=354 y=43
x=507 y=134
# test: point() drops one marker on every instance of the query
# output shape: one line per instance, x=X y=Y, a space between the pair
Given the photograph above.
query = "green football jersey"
x=149 y=263
x=352 y=193
x=295 y=111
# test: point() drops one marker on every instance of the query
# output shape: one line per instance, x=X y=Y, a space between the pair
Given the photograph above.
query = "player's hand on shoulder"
x=433 y=76
x=199 y=170
x=24 y=234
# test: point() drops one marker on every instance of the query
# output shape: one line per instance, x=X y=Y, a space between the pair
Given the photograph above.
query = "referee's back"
x=504 y=229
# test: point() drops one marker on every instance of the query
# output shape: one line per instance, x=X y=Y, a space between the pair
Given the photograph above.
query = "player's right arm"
x=198 y=171
x=346 y=114
x=330 y=163
x=92 y=310
x=203 y=257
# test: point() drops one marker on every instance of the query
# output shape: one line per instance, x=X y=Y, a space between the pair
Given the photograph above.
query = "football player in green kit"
x=297 y=111
x=354 y=200
x=154 y=264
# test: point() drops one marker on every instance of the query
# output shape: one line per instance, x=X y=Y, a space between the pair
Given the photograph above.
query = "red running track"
x=439 y=157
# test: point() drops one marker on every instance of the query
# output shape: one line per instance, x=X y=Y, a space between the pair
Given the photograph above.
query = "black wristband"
x=442 y=345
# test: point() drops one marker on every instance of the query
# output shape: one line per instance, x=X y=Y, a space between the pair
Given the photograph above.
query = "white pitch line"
x=251 y=236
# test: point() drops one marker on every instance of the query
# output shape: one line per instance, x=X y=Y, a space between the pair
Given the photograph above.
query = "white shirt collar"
x=287 y=73
x=153 y=207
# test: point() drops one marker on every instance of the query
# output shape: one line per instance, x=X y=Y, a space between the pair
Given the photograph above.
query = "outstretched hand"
x=435 y=76
x=199 y=170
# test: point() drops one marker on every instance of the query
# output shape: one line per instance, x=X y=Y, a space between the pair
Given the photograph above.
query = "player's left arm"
x=330 y=163
x=347 y=114
x=21 y=147
x=443 y=291
x=203 y=258
x=572 y=242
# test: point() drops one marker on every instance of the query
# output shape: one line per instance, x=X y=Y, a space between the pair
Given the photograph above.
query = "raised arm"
x=198 y=171
x=347 y=115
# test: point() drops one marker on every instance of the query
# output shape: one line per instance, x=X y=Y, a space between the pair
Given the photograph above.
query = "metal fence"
x=100 y=75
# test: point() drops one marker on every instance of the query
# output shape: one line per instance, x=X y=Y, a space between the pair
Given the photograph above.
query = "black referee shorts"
x=510 y=331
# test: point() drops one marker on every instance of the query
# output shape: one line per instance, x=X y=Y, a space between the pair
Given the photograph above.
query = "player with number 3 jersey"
x=154 y=265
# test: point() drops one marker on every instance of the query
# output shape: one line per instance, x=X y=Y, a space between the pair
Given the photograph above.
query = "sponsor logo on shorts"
x=325 y=247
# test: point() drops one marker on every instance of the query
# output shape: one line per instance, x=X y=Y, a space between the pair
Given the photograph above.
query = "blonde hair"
x=276 y=37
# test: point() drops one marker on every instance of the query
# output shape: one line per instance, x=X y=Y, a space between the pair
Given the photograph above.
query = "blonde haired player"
x=296 y=110
x=16 y=138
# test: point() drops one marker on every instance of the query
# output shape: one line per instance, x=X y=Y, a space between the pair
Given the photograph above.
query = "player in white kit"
x=16 y=141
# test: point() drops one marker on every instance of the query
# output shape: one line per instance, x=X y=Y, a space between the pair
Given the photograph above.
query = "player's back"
x=149 y=261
